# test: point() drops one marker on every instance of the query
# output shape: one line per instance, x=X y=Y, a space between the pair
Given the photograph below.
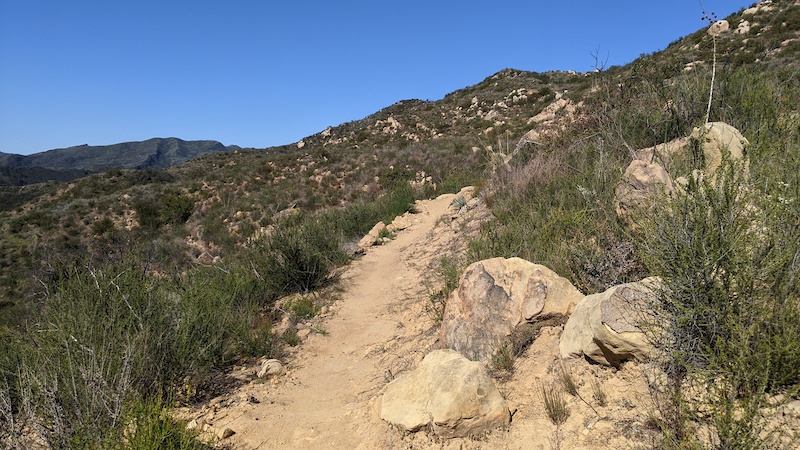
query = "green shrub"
x=150 y=425
x=358 y=218
x=148 y=214
x=172 y=210
x=555 y=406
x=291 y=338
x=447 y=275
x=102 y=226
x=110 y=336
x=297 y=258
x=503 y=361
x=176 y=209
x=218 y=311
x=551 y=208
x=729 y=311
x=303 y=307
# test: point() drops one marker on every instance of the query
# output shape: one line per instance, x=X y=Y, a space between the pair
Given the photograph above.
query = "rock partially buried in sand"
x=454 y=395
x=607 y=327
x=496 y=295
x=269 y=368
x=223 y=433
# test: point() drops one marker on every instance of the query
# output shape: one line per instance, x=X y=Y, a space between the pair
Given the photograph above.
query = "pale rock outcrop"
x=607 y=327
x=641 y=184
x=742 y=28
x=399 y=223
x=761 y=6
x=645 y=178
x=718 y=27
x=496 y=295
x=371 y=238
x=663 y=153
x=715 y=139
x=718 y=138
x=453 y=395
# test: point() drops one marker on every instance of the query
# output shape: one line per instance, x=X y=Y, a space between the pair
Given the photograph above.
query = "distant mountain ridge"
x=65 y=164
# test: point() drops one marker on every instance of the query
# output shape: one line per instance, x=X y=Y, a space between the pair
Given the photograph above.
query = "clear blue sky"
x=263 y=73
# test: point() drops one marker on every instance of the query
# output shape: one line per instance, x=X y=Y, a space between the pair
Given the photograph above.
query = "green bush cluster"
x=111 y=340
x=728 y=316
x=173 y=209
x=102 y=226
x=555 y=208
x=300 y=252
x=298 y=257
x=111 y=334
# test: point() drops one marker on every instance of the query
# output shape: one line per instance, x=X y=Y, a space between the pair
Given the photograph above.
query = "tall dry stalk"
x=716 y=28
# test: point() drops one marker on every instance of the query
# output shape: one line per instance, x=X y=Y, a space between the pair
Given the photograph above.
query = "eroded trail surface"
x=378 y=329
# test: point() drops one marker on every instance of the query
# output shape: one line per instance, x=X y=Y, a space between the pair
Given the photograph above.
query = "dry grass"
x=555 y=405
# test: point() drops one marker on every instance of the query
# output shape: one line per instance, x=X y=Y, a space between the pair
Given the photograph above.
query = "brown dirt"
x=380 y=329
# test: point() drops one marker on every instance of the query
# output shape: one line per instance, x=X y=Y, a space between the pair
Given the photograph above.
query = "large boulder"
x=645 y=179
x=718 y=138
x=663 y=153
x=495 y=296
x=453 y=395
x=714 y=139
x=642 y=183
x=608 y=327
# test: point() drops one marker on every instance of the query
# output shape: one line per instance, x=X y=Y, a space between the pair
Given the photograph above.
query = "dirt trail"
x=327 y=399
x=380 y=329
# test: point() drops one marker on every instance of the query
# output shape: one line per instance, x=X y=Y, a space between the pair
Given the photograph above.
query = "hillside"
x=235 y=194
x=65 y=164
x=165 y=283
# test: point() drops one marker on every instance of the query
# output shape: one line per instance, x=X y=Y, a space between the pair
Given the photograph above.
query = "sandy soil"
x=330 y=396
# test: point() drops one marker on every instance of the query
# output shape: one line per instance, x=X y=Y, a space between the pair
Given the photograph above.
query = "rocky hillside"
x=229 y=257
x=437 y=145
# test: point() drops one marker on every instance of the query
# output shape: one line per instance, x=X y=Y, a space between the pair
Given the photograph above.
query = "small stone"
x=224 y=433
x=271 y=367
